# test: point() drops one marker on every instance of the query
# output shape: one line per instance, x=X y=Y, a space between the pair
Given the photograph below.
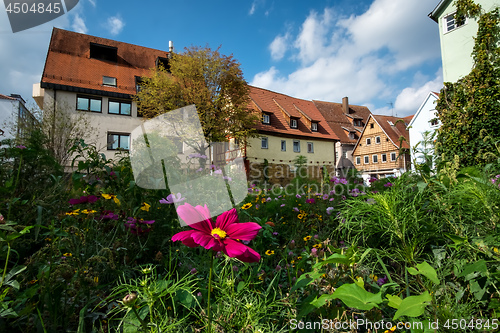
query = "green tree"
x=469 y=109
x=211 y=81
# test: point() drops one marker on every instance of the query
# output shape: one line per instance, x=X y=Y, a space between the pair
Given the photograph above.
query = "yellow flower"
x=68 y=254
x=247 y=205
x=307 y=238
x=269 y=252
x=145 y=206
x=495 y=250
x=300 y=216
x=96 y=279
x=263 y=200
x=318 y=246
x=86 y=211
x=107 y=196
x=299 y=257
x=373 y=277
x=75 y=212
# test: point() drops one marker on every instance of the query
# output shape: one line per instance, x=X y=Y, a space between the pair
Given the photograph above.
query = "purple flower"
x=227 y=178
x=343 y=181
x=193 y=271
x=298 y=196
x=373 y=179
x=21 y=147
x=316 y=236
x=325 y=196
x=278 y=268
x=218 y=172
x=310 y=201
x=171 y=198
x=296 y=209
x=83 y=199
x=382 y=281
x=329 y=210
x=235 y=268
x=138 y=226
x=314 y=252
x=283 y=205
x=108 y=215
x=269 y=199
x=331 y=199
x=198 y=294
x=388 y=184
x=275 y=233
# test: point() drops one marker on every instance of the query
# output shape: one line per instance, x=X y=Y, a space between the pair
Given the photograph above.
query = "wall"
x=8 y=118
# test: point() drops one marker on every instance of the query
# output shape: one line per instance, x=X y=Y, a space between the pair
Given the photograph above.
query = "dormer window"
x=162 y=62
x=103 y=52
x=266 y=119
x=293 y=123
x=358 y=123
x=314 y=127
x=109 y=81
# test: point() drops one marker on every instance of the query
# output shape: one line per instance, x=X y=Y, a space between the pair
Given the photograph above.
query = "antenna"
x=392 y=108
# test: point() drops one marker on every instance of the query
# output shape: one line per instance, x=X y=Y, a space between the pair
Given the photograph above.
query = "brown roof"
x=7 y=97
x=280 y=107
x=69 y=64
x=394 y=129
x=338 y=120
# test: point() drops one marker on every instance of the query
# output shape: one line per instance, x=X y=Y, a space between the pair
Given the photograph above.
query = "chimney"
x=345 y=105
x=170 y=46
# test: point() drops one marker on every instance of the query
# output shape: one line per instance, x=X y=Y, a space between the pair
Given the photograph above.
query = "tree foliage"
x=469 y=109
x=211 y=81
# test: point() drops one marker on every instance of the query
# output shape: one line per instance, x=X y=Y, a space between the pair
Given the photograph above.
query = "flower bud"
x=130 y=299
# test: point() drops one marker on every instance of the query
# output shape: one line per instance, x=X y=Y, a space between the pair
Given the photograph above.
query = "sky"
x=383 y=54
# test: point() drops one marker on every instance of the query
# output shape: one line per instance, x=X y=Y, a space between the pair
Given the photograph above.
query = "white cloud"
x=79 y=24
x=410 y=98
x=279 y=46
x=253 y=8
x=115 y=25
x=93 y=3
x=361 y=56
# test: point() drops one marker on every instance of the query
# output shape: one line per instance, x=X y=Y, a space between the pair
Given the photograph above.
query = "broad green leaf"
x=478 y=266
x=394 y=301
x=426 y=270
x=240 y=286
x=335 y=258
x=413 y=306
x=353 y=296
x=360 y=282
x=305 y=279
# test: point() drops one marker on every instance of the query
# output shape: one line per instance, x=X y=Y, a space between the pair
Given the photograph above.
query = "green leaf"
x=240 y=286
x=353 y=296
x=394 y=301
x=478 y=266
x=413 y=306
x=335 y=258
x=305 y=279
x=426 y=270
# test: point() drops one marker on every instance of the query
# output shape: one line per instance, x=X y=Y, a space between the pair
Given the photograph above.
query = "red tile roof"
x=280 y=107
x=339 y=121
x=394 y=129
x=68 y=63
x=7 y=97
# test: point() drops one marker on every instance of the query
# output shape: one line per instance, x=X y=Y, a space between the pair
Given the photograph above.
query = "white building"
x=15 y=119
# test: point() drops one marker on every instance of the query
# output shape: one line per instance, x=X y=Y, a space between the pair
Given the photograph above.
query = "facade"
x=15 y=119
x=424 y=121
x=347 y=122
x=290 y=127
x=456 y=38
x=97 y=77
x=377 y=151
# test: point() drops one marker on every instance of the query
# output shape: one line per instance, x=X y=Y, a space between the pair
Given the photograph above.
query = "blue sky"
x=377 y=52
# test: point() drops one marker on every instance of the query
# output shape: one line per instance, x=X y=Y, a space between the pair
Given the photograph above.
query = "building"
x=383 y=147
x=456 y=38
x=16 y=121
x=98 y=77
x=424 y=123
x=347 y=122
x=290 y=127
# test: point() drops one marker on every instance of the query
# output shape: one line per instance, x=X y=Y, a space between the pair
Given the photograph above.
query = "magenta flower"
x=21 y=147
x=310 y=201
x=172 y=198
x=83 y=199
x=225 y=235
x=138 y=226
x=388 y=184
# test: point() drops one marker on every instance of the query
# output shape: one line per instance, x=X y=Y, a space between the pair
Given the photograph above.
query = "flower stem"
x=209 y=290
x=6 y=262
x=143 y=323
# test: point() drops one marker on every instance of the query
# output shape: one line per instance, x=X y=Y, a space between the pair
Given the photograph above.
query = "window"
x=384 y=158
x=371 y=125
x=283 y=145
x=103 y=52
x=358 y=123
x=310 y=147
x=344 y=154
x=451 y=24
x=116 y=107
x=393 y=157
x=377 y=140
x=352 y=135
x=162 y=62
x=266 y=119
x=296 y=146
x=375 y=158
x=336 y=156
x=434 y=122
x=88 y=104
x=358 y=160
x=109 y=81
x=293 y=123
x=368 y=141
x=314 y=127
x=118 y=141
x=367 y=159
x=264 y=143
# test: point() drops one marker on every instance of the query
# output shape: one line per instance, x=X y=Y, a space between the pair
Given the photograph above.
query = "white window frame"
x=310 y=147
x=264 y=143
x=294 y=123
x=266 y=119
x=453 y=26
x=358 y=160
x=395 y=157
x=375 y=158
x=382 y=158
x=298 y=146
x=366 y=158
x=314 y=127
x=368 y=141
x=109 y=81
x=283 y=145
x=378 y=140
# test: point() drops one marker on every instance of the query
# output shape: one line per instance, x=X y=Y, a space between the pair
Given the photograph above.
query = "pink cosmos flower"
x=171 y=198
x=225 y=235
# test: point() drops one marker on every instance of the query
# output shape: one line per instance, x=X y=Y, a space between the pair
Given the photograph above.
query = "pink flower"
x=83 y=199
x=310 y=201
x=225 y=235
x=171 y=198
x=21 y=147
